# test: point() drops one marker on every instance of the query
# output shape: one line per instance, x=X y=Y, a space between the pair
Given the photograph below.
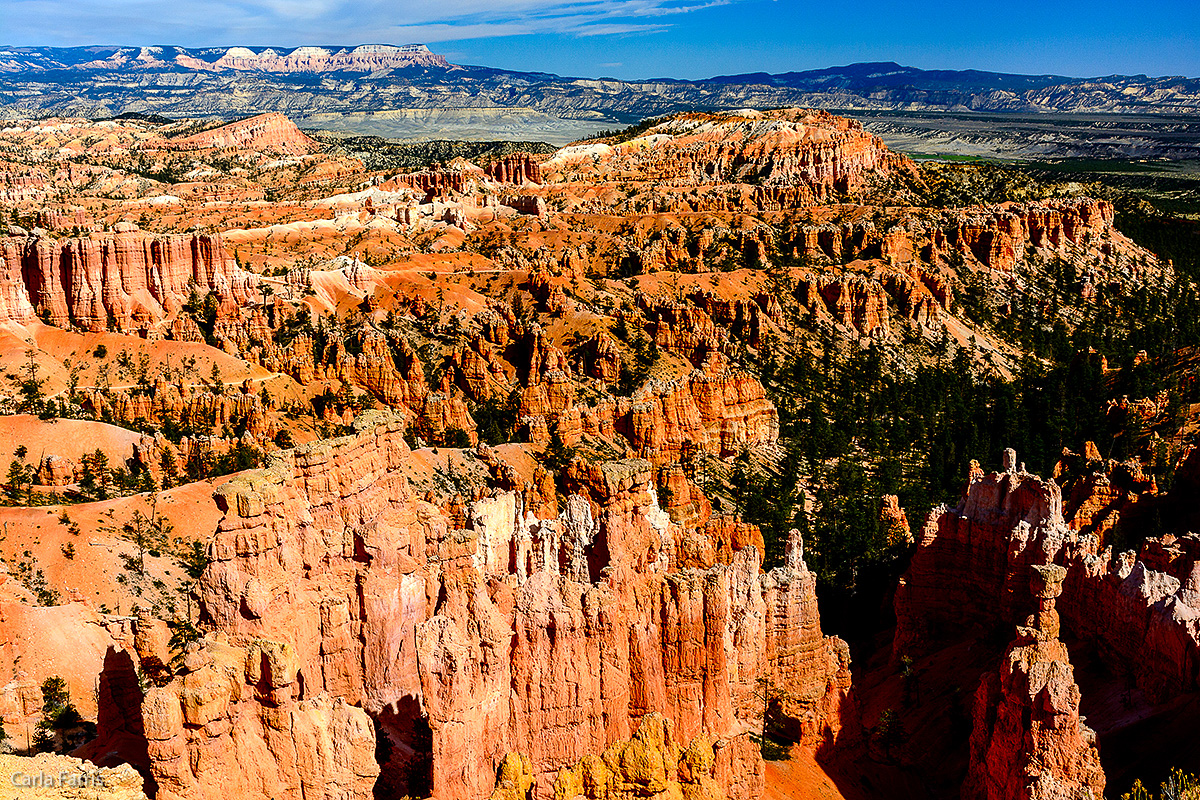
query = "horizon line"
x=292 y=48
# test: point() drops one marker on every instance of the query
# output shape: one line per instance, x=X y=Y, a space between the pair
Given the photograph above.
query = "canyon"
x=455 y=481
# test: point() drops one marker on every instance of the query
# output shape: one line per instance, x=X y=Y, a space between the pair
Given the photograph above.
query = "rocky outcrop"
x=240 y=721
x=71 y=641
x=265 y=133
x=653 y=764
x=998 y=237
x=454 y=178
x=894 y=521
x=66 y=219
x=15 y=305
x=25 y=184
x=967 y=575
x=516 y=168
x=829 y=155
x=810 y=687
x=237 y=410
x=1098 y=493
x=716 y=408
x=54 y=777
x=855 y=302
x=1028 y=741
x=333 y=589
x=126 y=281
x=703 y=322
x=534 y=205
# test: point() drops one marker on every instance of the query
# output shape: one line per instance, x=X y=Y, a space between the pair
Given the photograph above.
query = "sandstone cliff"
x=126 y=281
x=826 y=154
x=1029 y=742
x=364 y=58
x=968 y=571
x=334 y=589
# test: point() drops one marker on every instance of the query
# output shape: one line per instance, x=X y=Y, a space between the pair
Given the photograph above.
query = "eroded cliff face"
x=339 y=598
x=126 y=281
x=272 y=132
x=234 y=722
x=1028 y=741
x=824 y=154
x=968 y=573
x=653 y=764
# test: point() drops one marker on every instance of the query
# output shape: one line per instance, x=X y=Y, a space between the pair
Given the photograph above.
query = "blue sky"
x=651 y=38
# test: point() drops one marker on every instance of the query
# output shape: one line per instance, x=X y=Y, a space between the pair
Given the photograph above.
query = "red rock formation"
x=602 y=358
x=999 y=236
x=238 y=721
x=442 y=413
x=811 y=681
x=456 y=177
x=703 y=322
x=333 y=587
x=516 y=168
x=526 y=204
x=1098 y=494
x=856 y=302
x=129 y=281
x=189 y=407
x=59 y=219
x=687 y=505
x=271 y=132
x=921 y=296
x=387 y=367
x=14 y=296
x=717 y=409
x=1028 y=741
x=826 y=154
x=26 y=184
x=966 y=575
x=970 y=561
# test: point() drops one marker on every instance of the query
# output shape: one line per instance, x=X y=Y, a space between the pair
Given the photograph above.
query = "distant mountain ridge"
x=874 y=74
x=368 y=79
x=308 y=58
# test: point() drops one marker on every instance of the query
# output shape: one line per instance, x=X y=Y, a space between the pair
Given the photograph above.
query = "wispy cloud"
x=294 y=22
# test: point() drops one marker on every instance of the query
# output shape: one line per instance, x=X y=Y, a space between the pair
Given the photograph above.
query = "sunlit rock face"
x=352 y=612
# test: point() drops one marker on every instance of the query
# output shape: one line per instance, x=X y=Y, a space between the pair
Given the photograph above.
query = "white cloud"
x=295 y=22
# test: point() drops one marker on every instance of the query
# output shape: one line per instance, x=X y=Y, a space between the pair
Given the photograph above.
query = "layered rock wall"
x=1000 y=237
x=126 y=281
x=333 y=587
x=364 y=58
x=516 y=168
x=238 y=721
x=829 y=155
